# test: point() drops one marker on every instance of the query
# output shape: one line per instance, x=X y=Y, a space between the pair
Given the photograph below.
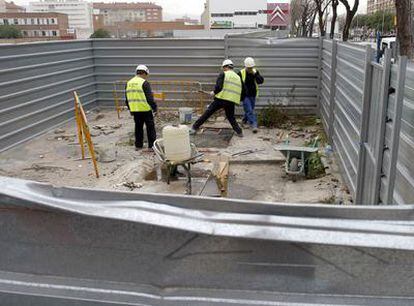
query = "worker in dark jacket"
x=251 y=80
x=228 y=93
x=140 y=102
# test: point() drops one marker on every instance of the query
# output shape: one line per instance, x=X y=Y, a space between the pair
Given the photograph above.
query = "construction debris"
x=42 y=167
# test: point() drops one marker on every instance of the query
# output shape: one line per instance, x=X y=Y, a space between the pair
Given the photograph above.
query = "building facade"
x=45 y=25
x=234 y=14
x=10 y=7
x=112 y=13
x=79 y=14
x=380 y=5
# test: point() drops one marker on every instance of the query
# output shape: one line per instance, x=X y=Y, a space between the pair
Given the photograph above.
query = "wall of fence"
x=290 y=68
x=168 y=59
x=36 y=84
x=367 y=111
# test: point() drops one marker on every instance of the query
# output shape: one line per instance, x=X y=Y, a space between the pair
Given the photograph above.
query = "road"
x=51 y=258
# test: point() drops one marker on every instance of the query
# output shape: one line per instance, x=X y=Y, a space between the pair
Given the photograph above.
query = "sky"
x=179 y=8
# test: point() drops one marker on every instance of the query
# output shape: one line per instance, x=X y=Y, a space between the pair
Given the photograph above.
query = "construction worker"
x=140 y=102
x=228 y=93
x=251 y=80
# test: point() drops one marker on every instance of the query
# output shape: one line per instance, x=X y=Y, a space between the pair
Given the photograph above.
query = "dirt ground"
x=55 y=158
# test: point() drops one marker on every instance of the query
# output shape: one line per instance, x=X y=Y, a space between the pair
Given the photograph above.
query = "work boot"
x=240 y=135
x=255 y=130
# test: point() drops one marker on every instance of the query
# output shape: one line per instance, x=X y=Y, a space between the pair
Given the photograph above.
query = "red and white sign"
x=278 y=14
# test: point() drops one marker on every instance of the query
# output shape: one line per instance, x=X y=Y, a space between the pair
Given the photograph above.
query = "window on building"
x=38 y=21
x=35 y=33
x=245 y=13
x=26 y=21
x=32 y=21
x=54 y=33
x=52 y=20
x=43 y=33
x=24 y=33
x=15 y=21
x=221 y=15
x=5 y=21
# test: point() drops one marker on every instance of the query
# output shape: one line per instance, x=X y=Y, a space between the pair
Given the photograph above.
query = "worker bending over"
x=251 y=80
x=227 y=94
x=140 y=102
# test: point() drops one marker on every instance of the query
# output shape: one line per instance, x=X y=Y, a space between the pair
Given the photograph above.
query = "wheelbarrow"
x=172 y=166
x=296 y=159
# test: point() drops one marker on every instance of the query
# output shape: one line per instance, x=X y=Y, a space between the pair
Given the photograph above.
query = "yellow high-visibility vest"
x=232 y=87
x=136 y=97
x=243 y=74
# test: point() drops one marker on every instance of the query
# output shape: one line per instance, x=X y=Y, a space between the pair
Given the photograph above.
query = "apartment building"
x=111 y=14
x=38 y=24
x=10 y=7
x=380 y=5
x=79 y=14
x=230 y=14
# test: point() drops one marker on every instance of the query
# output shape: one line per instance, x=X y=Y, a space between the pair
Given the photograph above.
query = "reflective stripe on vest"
x=243 y=74
x=232 y=88
x=136 y=97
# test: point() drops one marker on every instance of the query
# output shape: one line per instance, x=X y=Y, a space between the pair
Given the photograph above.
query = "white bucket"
x=176 y=143
x=186 y=115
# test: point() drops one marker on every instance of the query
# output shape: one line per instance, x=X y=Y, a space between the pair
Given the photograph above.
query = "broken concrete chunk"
x=100 y=127
x=108 y=132
x=59 y=131
x=99 y=117
x=116 y=126
x=95 y=133
x=106 y=154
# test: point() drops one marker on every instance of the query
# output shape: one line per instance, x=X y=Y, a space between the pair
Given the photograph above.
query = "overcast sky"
x=178 y=8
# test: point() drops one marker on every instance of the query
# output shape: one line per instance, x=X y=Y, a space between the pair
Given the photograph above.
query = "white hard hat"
x=227 y=62
x=249 y=62
x=142 y=68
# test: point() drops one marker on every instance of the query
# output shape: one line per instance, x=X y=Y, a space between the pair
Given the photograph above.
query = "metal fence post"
x=380 y=147
x=226 y=46
x=319 y=89
x=363 y=137
x=395 y=135
x=332 y=91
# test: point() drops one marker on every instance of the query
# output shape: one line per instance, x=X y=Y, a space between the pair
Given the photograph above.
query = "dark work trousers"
x=140 y=118
x=214 y=107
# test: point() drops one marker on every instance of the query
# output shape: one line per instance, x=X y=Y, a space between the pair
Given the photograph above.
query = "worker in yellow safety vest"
x=228 y=93
x=251 y=80
x=140 y=102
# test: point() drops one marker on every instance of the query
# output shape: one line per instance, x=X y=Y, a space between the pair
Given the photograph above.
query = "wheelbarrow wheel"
x=294 y=167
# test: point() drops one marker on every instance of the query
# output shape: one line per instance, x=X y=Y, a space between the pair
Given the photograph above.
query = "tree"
x=321 y=6
x=10 y=31
x=302 y=17
x=101 y=33
x=350 y=14
x=380 y=21
x=335 y=4
x=404 y=34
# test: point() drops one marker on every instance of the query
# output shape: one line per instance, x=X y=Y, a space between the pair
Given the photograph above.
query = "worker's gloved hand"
x=212 y=94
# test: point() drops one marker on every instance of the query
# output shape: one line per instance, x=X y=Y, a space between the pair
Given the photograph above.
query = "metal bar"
x=332 y=91
x=385 y=85
x=338 y=227
x=319 y=87
x=395 y=135
x=359 y=186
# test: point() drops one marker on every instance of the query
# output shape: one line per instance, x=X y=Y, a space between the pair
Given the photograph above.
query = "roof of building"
x=124 y=5
x=13 y=6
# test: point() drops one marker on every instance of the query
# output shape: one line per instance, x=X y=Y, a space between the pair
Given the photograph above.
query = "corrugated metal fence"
x=290 y=68
x=36 y=84
x=361 y=108
x=168 y=59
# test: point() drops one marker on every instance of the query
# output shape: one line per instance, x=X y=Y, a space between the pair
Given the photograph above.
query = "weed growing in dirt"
x=315 y=167
x=272 y=116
